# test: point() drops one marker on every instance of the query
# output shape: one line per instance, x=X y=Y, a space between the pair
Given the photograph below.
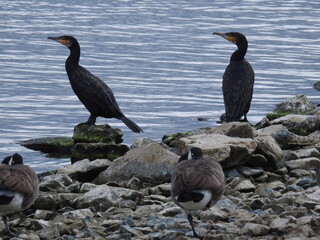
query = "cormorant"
x=196 y=183
x=238 y=79
x=19 y=187
x=95 y=95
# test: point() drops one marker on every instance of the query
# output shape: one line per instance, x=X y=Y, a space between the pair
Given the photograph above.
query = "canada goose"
x=197 y=183
x=19 y=187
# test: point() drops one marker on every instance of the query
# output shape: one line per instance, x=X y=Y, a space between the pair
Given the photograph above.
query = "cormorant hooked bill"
x=95 y=95
x=238 y=79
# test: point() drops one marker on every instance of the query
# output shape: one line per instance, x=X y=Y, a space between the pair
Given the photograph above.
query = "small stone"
x=245 y=186
x=257 y=204
x=249 y=172
x=214 y=214
x=171 y=212
x=255 y=229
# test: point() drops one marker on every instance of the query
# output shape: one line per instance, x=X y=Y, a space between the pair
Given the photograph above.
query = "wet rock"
x=151 y=164
x=58 y=145
x=316 y=85
x=228 y=151
x=94 y=151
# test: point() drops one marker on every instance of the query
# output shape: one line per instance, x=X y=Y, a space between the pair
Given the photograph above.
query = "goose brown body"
x=197 y=183
x=19 y=187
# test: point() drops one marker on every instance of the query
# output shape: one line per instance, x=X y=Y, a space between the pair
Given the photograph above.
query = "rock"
x=316 y=85
x=245 y=186
x=279 y=224
x=85 y=133
x=58 y=145
x=269 y=148
x=249 y=172
x=85 y=170
x=94 y=151
x=104 y=197
x=255 y=229
x=296 y=104
x=303 y=163
x=305 y=153
x=214 y=214
x=228 y=151
x=150 y=164
x=79 y=213
x=234 y=129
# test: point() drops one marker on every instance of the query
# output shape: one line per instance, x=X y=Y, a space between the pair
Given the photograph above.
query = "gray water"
x=159 y=57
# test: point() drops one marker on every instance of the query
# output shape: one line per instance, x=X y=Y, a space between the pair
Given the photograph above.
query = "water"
x=159 y=57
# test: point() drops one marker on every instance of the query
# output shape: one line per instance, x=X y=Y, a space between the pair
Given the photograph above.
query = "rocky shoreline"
x=271 y=191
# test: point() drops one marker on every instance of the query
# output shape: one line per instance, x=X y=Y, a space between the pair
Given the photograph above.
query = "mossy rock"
x=94 y=151
x=61 y=145
x=85 y=133
x=275 y=114
x=171 y=139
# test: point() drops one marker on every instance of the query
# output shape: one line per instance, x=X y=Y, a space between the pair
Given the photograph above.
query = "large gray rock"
x=229 y=151
x=150 y=163
x=104 y=197
x=234 y=129
x=296 y=104
x=85 y=170
x=270 y=149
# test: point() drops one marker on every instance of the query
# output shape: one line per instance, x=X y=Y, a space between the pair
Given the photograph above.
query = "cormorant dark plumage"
x=238 y=79
x=95 y=95
x=196 y=183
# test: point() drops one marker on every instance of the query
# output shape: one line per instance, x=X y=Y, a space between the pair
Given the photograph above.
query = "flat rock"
x=85 y=170
x=150 y=163
x=229 y=151
x=234 y=129
x=303 y=163
x=296 y=104
x=103 y=197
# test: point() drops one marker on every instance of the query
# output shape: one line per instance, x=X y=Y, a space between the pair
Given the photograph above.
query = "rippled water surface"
x=159 y=57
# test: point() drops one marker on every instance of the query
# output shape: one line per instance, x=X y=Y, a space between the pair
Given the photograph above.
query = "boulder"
x=296 y=104
x=85 y=170
x=94 y=151
x=270 y=149
x=85 y=133
x=150 y=163
x=103 y=197
x=229 y=151
x=57 y=145
x=316 y=85
x=234 y=129
x=303 y=163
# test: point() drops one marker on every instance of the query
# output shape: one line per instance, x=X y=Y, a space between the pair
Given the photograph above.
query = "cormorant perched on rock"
x=95 y=95
x=196 y=183
x=19 y=187
x=238 y=79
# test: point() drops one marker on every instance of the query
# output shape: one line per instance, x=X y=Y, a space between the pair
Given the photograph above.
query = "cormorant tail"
x=130 y=124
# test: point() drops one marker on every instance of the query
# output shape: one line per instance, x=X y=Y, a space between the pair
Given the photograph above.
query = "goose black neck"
x=239 y=54
x=73 y=59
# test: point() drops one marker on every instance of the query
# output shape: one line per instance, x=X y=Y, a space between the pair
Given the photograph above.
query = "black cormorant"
x=95 y=95
x=197 y=183
x=238 y=80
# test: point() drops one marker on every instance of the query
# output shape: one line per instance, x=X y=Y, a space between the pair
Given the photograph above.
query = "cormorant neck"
x=239 y=54
x=74 y=56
